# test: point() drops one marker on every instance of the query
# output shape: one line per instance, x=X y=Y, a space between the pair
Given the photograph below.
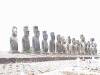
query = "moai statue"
x=95 y=49
x=68 y=51
x=82 y=45
x=93 y=46
x=35 y=40
x=52 y=43
x=77 y=47
x=59 y=45
x=13 y=41
x=63 y=45
x=73 y=46
x=44 y=42
x=25 y=40
x=88 y=48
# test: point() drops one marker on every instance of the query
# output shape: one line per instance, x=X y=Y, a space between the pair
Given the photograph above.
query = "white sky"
x=65 y=17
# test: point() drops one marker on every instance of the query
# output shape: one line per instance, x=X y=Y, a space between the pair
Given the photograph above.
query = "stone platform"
x=26 y=58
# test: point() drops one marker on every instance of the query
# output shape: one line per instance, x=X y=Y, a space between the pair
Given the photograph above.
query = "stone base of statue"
x=37 y=52
x=45 y=53
x=26 y=58
x=26 y=52
x=14 y=51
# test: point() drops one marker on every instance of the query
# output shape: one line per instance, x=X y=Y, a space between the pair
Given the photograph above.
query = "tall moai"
x=35 y=40
x=52 y=43
x=63 y=41
x=77 y=47
x=88 y=48
x=82 y=45
x=95 y=49
x=14 y=41
x=59 y=45
x=25 y=40
x=44 y=42
x=93 y=46
x=73 y=46
x=68 y=51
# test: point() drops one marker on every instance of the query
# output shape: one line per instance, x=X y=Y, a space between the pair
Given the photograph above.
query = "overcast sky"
x=65 y=17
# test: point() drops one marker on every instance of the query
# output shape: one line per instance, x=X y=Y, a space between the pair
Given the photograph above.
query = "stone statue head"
x=35 y=29
x=63 y=40
x=36 y=32
x=95 y=45
x=73 y=41
x=45 y=35
x=59 y=38
x=14 y=31
x=92 y=39
x=82 y=38
x=88 y=43
x=52 y=36
x=26 y=31
x=69 y=39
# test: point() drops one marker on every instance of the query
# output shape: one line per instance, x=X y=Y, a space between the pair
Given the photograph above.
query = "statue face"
x=26 y=31
x=58 y=38
x=45 y=36
x=95 y=45
x=88 y=43
x=82 y=38
x=73 y=41
x=35 y=29
x=69 y=39
x=14 y=31
x=52 y=36
x=63 y=40
x=37 y=34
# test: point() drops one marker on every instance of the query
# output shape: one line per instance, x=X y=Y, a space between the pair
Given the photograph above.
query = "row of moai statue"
x=62 y=46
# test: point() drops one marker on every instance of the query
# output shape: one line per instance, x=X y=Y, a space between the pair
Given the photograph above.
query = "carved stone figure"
x=77 y=47
x=13 y=41
x=68 y=51
x=44 y=42
x=25 y=40
x=63 y=45
x=58 y=44
x=35 y=40
x=52 y=43
x=93 y=46
x=95 y=49
x=82 y=45
x=88 y=48
x=73 y=46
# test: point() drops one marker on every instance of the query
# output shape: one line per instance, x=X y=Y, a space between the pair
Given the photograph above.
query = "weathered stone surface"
x=52 y=43
x=68 y=45
x=93 y=46
x=82 y=45
x=64 y=47
x=73 y=46
x=59 y=45
x=25 y=40
x=88 y=48
x=35 y=40
x=27 y=58
x=77 y=47
x=44 y=42
x=13 y=41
